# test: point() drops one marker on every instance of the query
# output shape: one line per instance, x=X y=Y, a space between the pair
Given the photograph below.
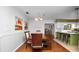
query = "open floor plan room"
x=39 y=28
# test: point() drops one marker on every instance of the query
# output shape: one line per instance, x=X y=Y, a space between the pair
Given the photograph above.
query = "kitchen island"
x=65 y=47
x=68 y=40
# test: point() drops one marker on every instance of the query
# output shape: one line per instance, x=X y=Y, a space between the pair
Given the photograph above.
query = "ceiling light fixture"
x=76 y=9
x=77 y=15
x=38 y=18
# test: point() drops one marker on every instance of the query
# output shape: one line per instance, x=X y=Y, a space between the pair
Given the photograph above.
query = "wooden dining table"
x=44 y=37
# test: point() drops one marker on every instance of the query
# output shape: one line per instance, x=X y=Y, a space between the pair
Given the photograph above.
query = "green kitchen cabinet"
x=68 y=38
x=57 y=35
x=73 y=40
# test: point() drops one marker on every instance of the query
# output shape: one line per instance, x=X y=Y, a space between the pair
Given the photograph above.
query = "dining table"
x=44 y=37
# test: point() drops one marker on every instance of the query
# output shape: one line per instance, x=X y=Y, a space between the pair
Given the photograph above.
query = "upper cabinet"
x=67 y=20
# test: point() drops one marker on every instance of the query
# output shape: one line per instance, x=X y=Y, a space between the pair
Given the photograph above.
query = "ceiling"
x=46 y=11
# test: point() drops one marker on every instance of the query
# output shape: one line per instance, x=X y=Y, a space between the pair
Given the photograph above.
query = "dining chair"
x=27 y=37
x=47 y=44
x=36 y=42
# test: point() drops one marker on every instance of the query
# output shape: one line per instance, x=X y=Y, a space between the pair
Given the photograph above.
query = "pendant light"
x=77 y=16
x=39 y=18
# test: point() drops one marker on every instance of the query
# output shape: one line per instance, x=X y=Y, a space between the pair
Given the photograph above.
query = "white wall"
x=35 y=25
x=11 y=42
x=38 y=25
x=9 y=38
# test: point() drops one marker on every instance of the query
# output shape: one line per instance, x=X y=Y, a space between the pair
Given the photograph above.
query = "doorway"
x=49 y=28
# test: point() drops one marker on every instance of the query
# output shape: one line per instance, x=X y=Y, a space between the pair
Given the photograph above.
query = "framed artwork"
x=18 y=25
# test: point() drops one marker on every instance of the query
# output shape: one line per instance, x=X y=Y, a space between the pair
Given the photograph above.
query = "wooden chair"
x=27 y=36
x=47 y=44
x=36 y=42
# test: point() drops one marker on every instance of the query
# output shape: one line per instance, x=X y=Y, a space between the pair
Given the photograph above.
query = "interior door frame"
x=53 y=27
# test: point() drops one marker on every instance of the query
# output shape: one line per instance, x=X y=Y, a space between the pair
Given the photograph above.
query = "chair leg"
x=26 y=44
x=36 y=50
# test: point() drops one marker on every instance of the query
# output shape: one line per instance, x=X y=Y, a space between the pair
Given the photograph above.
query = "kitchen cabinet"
x=68 y=38
x=73 y=40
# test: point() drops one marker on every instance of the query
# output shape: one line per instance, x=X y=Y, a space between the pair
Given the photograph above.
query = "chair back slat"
x=36 y=39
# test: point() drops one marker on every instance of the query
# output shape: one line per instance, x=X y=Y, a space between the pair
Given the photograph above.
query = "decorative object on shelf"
x=18 y=25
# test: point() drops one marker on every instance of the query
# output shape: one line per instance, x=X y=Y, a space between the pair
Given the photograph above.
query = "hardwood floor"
x=29 y=49
x=55 y=47
x=24 y=49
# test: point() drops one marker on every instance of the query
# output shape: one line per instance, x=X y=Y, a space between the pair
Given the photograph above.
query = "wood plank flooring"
x=55 y=48
x=29 y=49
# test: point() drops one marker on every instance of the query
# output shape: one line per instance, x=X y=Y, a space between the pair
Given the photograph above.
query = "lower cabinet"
x=73 y=40
x=69 y=38
x=58 y=48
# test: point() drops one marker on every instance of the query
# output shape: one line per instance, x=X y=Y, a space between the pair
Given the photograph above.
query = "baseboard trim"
x=18 y=47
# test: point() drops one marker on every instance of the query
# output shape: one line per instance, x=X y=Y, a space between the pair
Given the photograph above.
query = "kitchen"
x=67 y=34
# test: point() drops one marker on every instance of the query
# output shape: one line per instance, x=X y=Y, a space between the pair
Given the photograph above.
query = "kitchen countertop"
x=68 y=32
x=67 y=46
